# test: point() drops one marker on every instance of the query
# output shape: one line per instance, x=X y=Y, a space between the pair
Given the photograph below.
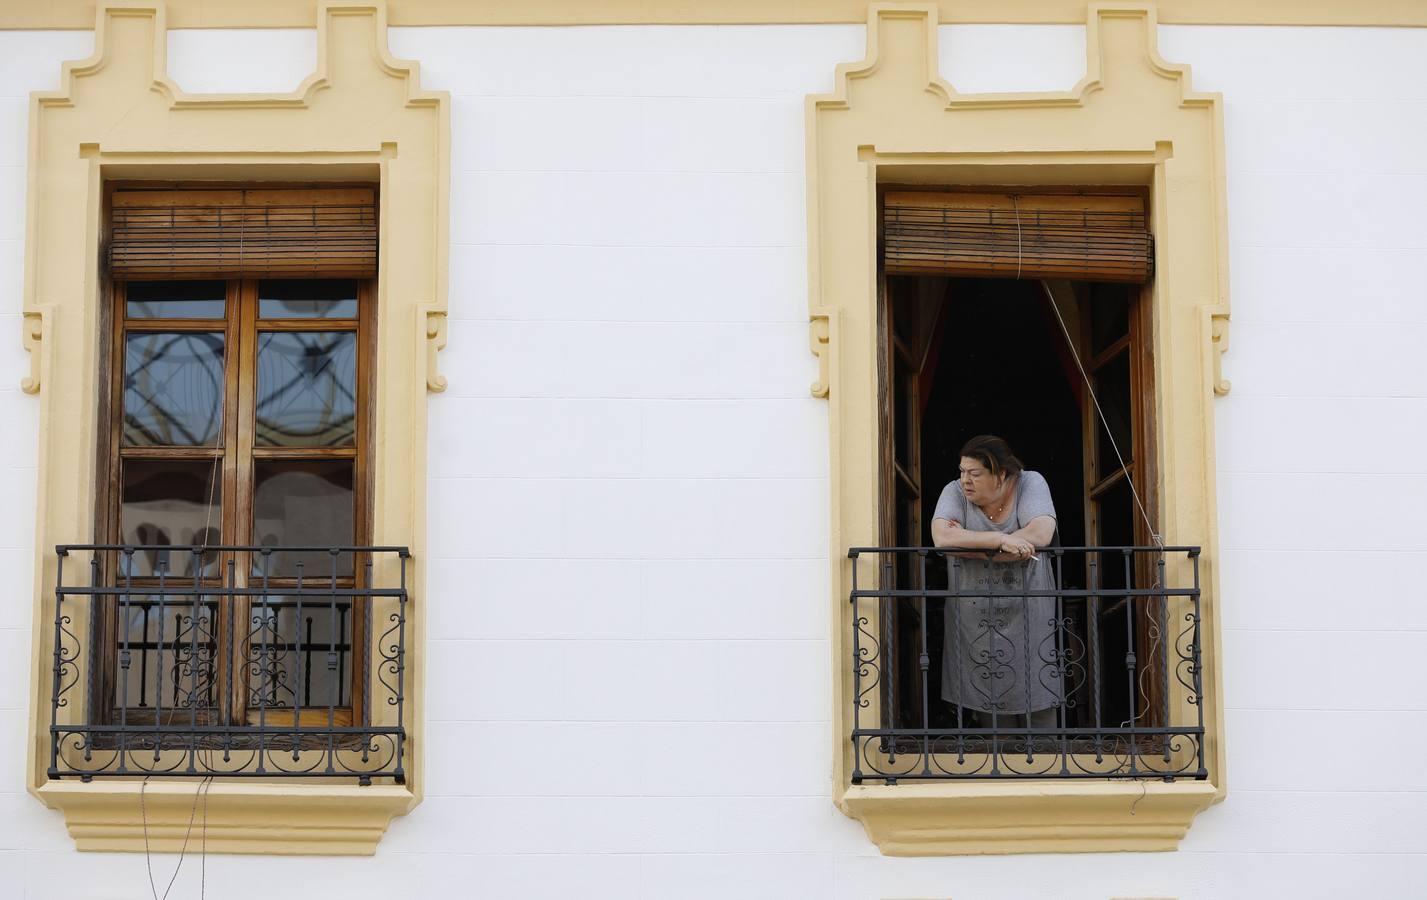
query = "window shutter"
x=1090 y=237
x=326 y=233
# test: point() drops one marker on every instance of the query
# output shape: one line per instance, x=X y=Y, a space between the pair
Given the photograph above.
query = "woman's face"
x=977 y=482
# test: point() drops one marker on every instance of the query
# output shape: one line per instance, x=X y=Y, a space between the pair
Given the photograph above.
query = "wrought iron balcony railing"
x=229 y=661
x=1083 y=662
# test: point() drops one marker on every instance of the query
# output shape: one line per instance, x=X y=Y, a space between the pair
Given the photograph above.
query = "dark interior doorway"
x=964 y=357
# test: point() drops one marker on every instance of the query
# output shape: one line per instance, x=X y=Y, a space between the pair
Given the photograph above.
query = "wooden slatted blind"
x=328 y=232
x=1090 y=237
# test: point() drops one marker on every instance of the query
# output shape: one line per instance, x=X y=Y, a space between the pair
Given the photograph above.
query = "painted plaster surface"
x=627 y=686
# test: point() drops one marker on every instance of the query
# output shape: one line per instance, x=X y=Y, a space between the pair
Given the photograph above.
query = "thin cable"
x=1090 y=388
x=203 y=854
x=1144 y=790
x=1155 y=636
x=148 y=857
x=144 y=818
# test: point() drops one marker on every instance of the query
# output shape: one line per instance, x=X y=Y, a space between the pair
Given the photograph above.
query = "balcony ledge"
x=253 y=818
x=968 y=818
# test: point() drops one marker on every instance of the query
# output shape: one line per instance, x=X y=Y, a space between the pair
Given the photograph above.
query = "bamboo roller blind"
x=329 y=232
x=1090 y=237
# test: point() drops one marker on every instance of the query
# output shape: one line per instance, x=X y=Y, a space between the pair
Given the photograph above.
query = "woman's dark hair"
x=993 y=453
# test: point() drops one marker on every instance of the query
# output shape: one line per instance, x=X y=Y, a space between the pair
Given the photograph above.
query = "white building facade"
x=630 y=643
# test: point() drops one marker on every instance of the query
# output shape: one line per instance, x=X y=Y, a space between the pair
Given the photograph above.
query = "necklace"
x=1000 y=509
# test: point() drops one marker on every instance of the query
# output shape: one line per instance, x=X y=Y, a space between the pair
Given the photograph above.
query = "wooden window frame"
x=894 y=353
x=238 y=453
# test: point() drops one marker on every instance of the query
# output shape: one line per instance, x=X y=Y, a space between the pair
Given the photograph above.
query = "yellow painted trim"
x=301 y=13
x=274 y=819
x=361 y=115
x=1133 y=119
x=913 y=820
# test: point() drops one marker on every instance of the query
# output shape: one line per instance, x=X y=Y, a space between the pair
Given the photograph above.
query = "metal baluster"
x=400 y=773
x=193 y=666
x=343 y=689
x=1092 y=616
x=1062 y=713
x=1195 y=650
x=1026 y=654
x=144 y=649
x=1130 y=659
x=58 y=661
x=924 y=661
x=305 y=652
x=297 y=696
x=995 y=626
x=889 y=655
x=231 y=617
x=264 y=673
x=126 y=608
x=368 y=642
x=332 y=664
x=159 y=661
x=953 y=611
x=96 y=613
x=856 y=676
x=1164 y=639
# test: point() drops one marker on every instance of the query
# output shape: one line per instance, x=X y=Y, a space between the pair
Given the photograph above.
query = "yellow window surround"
x=1133 y=120
x=361 y=116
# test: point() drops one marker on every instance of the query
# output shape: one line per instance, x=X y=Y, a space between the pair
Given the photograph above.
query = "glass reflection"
x=299 y=653
x=173 y=389
x=170 y=502
x=175 y=299
x=308 y=299
x=1112 y=386
x=1109 y=314
x=173 y=656
x=303 y=503
x=307 y=389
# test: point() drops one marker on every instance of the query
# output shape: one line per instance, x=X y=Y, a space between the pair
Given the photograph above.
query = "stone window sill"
x=255 y=818
x=1027 y=817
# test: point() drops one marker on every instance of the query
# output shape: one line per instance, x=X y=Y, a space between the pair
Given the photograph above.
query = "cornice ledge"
x=269 y=819
x=966 y=818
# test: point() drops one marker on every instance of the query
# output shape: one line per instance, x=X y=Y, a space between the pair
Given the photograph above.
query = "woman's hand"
x=1016 y=548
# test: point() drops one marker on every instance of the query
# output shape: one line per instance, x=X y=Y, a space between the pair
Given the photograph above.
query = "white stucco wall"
x=629 y=664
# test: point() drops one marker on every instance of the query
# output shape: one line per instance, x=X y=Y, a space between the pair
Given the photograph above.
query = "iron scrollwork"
x=213 y=676
x=1101 y=687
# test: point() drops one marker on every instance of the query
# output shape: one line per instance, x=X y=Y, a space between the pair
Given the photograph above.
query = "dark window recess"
x=1110 y=647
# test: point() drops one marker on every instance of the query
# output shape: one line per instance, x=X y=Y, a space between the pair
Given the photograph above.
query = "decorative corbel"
x=1219 y=345
x=32 y=337
x=820 y=327
x=435 y=342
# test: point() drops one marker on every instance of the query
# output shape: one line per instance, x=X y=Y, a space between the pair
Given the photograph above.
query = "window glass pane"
x=170 y=502
x=173 y=389
x=1109 y=314
x=1112 y=388
x=299 y=653
x=303 y=503
x=176 y=299
x=308 y=299
x=172 y=661
x=307 y=389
